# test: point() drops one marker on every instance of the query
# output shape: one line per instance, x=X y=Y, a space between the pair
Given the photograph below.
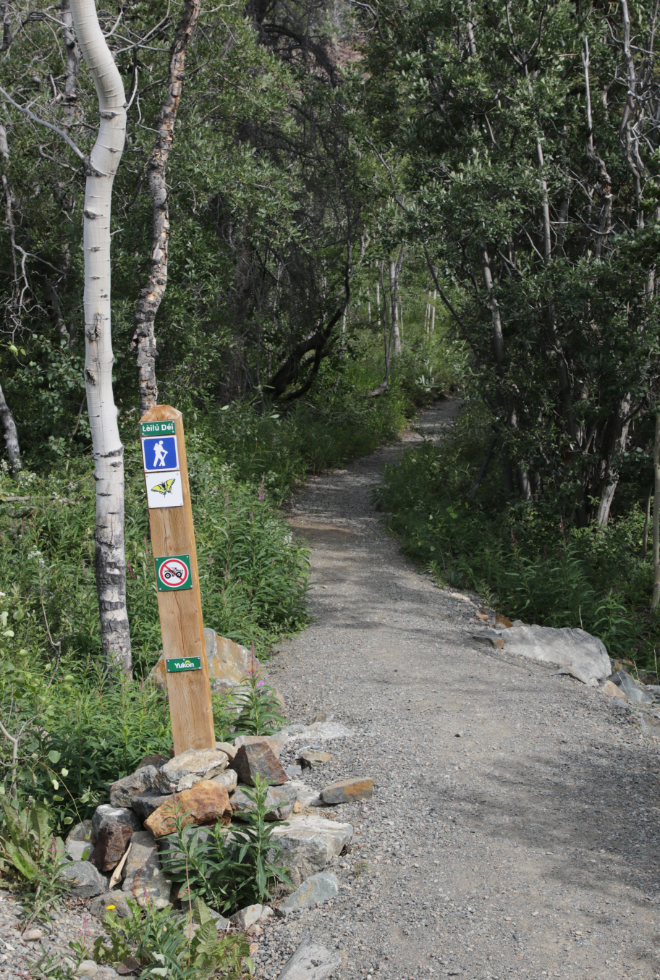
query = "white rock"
x=578 y=675
x=306 y=795
x=564 y=647
x=309 y=842
x=88 y=968
x=188 y=768
x=228 y=779
x=310 y=962
x=250 y=915
x=78 y=850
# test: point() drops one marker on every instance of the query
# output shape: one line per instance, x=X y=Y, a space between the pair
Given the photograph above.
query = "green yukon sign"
x=178 y=664
x=157 y=429
x=173 y=573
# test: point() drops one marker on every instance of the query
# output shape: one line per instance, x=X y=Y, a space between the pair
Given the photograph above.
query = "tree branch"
x=42 y=122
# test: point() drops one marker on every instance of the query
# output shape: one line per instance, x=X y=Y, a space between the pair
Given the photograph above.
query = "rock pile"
x=116 y=855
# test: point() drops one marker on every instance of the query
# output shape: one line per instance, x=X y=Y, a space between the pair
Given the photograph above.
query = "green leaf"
x=21 y=860
x=54 y=756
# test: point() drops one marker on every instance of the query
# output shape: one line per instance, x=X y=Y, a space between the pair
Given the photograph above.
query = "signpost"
x=175 y=557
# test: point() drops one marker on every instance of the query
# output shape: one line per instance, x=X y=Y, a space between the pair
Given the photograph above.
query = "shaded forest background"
x=370 y=207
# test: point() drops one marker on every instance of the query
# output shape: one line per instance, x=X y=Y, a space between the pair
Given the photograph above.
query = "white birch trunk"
x=11 y=435
x=108 y=450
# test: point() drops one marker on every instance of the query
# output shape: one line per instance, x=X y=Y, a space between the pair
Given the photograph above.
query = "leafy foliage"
x=171 y=945
x=35 y=853
x=523 y=558
x=261 y=712
x=227 y=868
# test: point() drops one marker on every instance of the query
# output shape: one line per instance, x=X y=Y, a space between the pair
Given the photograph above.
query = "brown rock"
x=112 y=829
x=204 y=804
x=110 y=846
x=274 y=743
x=348 y=790
x=258 y=758
x=609 y=687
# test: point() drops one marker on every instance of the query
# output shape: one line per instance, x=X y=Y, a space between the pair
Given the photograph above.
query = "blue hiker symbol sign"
x=159 y=453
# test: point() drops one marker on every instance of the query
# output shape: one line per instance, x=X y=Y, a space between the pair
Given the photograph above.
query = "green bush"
x=228 y=868
x=524 y=560
x=169 y=945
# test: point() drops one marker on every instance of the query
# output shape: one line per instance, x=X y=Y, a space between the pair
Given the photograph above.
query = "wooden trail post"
x=175 y=559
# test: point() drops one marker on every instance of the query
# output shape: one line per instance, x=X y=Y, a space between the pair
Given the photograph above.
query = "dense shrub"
x=525 y=560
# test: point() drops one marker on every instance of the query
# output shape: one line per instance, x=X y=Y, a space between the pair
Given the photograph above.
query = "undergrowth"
x=524 y=559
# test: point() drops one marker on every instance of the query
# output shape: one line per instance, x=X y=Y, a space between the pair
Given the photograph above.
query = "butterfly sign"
x=164 y=489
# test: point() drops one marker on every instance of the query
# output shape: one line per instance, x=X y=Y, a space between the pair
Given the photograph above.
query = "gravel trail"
x=513 y=831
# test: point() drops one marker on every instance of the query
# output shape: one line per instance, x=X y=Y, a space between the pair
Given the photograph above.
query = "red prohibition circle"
x=173 y=573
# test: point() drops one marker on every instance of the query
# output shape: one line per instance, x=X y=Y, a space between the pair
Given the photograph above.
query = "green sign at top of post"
x=157 y=429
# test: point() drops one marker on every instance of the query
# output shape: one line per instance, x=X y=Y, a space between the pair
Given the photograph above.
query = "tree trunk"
x=152 y=294
x=612 y=475
x=11 y=435
x=395 y=271
x=498 y=350
x=107 y=448
x=496 y=321
x=72 y=65
x=647 y=522
x=656 y=516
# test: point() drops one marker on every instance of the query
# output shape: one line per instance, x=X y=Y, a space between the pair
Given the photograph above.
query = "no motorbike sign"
x=173 y=573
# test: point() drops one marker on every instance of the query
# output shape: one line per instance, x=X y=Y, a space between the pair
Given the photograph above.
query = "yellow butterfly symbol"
x=164 y=487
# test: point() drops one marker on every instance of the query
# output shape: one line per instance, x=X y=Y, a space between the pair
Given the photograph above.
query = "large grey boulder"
x=564 y=647
x=83 y=880
x=309 y=842
x=143 y=877
x=310 y=962
x=228 y=663
x=142 y=781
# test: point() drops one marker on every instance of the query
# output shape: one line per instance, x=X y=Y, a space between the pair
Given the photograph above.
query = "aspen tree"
x=108 y=451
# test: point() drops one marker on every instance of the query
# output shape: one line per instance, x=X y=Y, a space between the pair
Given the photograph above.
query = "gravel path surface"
x=513 y=831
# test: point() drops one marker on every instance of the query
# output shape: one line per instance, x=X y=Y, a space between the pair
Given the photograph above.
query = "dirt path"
x=525 y=847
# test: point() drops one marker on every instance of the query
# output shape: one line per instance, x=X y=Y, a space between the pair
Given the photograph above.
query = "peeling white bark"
x=108 y=450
